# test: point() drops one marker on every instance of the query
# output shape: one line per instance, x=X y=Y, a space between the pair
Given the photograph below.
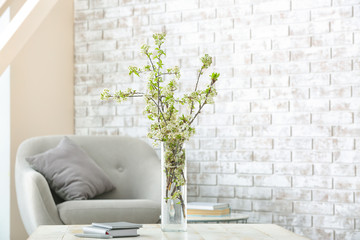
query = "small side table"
x=237 y=218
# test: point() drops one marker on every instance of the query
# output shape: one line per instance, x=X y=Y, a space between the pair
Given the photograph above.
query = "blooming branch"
x=162 y=107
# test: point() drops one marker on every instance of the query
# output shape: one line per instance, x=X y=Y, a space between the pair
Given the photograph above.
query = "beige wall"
x=42 y=90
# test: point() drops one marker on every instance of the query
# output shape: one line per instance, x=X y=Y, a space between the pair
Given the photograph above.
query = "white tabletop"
x=195 y=232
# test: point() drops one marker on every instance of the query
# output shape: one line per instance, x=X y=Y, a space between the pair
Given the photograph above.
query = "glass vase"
x=173 y=188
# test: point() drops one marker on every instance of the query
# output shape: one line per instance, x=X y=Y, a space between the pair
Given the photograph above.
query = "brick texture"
x=282 y=142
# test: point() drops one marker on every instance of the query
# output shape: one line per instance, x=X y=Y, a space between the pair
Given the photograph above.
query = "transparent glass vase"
x=173 y=189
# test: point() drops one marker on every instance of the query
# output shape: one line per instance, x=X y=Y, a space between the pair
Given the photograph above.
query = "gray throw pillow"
x=70 y=172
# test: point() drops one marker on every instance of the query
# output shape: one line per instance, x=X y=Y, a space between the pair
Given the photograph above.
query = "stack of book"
x=206 y=209
x=113 y=229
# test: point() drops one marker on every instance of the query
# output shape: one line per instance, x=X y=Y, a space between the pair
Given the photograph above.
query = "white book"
x=109 y=232
x=117 y=225
x=207 y=205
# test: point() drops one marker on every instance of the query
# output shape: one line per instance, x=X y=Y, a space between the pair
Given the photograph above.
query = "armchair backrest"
x=131 y=164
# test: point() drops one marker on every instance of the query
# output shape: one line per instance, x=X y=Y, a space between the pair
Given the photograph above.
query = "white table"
x=195 y=232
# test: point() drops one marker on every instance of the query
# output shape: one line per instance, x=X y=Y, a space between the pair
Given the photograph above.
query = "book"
x=117 y=225
x=217 y=212
x=92 y=235
x=207 y=205
x=194 y=217
x=114 y=229
x=127 y=232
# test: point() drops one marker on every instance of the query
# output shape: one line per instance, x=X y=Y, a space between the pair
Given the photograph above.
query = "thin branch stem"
x=161 y=113
x=196 y=86
x=198 y=112
x=203 y=104
x=150 y=98
x=158 y=88
x=157 y=76
x=159 y=100
x=166 y=73
x=198 y=78
x=134 y=95
x=151 y=62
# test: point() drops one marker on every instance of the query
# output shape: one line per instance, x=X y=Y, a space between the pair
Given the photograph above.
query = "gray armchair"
x=131 y=165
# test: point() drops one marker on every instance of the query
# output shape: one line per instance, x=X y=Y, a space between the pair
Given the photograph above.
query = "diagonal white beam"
x=21 y=28
x=2 y=2
x=4 y=5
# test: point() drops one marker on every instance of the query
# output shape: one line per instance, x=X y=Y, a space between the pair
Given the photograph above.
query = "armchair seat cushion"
x=114 y=210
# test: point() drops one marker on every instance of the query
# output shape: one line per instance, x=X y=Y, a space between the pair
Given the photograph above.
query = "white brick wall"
x=282 y=142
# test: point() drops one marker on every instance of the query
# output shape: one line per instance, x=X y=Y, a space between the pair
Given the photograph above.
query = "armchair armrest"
x=35 y=201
